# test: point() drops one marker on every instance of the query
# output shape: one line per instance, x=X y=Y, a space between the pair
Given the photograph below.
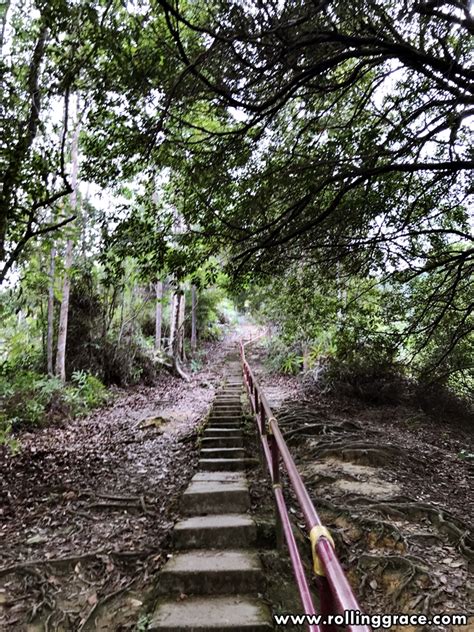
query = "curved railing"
x=335 y=593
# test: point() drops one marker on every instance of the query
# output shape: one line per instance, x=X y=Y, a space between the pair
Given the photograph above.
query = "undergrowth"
x=29 y=398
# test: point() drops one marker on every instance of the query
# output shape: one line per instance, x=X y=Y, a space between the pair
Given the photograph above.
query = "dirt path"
x=88 y=506
x=394 y=489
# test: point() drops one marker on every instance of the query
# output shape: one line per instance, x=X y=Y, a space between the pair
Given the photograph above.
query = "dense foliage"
x=319 y=153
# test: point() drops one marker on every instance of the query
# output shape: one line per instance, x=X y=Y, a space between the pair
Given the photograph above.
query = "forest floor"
x=88 y=506
x=393 y=486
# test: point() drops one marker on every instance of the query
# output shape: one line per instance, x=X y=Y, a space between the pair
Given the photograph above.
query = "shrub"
x=30 y=398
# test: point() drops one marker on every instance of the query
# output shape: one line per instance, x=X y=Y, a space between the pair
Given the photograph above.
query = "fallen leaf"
x=37 y=539
x=92 y=599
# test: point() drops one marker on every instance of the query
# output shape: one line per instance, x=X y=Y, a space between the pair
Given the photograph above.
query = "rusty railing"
x=335 y=593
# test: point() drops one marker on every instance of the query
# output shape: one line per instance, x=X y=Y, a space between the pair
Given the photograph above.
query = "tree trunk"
x=64 y=312
x=50 y=334
x=182 y=314
x=174 y=340
x=158 y=314
x=193 y=319
x=174 y=316
x=64 y=315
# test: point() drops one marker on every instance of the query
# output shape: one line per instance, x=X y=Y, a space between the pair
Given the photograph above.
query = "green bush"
x=283 y=357
x=29 y=398
x=87 y=390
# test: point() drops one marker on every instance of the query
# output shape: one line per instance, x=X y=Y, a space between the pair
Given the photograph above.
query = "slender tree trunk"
x=175 y=334
x=64 y=315
x=174 y=319
x=193 y=319
x=182 y=314
x=50 y=334
x=122 y=312
x=64 y=312
x=158 y=314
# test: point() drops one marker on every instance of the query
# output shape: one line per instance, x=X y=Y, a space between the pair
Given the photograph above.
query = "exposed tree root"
x=29 y=566
x=376 y=532
x=173 y=365
x=102 y=602
x=124 y=504
x=359 y=452
x=297 y=414
x=457 y=532
x=320 y=428
x=409 y=570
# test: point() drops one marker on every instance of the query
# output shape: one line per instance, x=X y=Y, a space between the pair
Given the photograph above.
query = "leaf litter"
x=88 y=506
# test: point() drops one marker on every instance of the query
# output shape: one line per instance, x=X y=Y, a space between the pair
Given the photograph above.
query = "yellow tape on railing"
x=318 y=531
x=269 y=425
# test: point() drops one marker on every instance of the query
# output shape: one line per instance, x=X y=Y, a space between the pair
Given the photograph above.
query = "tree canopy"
x=324 y=135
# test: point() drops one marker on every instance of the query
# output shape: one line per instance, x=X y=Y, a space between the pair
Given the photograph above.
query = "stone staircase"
x=212 y=581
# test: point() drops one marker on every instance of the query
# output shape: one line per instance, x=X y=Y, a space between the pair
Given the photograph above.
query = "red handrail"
x=336 y=595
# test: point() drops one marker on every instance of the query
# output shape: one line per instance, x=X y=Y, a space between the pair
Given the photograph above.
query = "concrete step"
x=222 y=442
x=222 y=465
x=209 y=572
x=212 y=614
x=234 y=394
x=222 y=453
x=226 y=402
x=219 y=531
x=215 y=497
x=223 y=477
x=230 y=392
x=218 y=416
x=217 y=423
x=227 y=406
x=234 y=425
x=222 y=432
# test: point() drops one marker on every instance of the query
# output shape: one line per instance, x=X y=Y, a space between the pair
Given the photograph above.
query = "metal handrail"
x=335 y=592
